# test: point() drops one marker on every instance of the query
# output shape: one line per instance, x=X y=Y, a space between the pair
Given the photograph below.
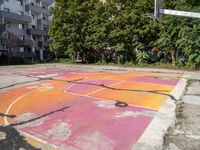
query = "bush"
x=141 y=57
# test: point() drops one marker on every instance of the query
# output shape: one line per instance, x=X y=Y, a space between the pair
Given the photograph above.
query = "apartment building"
x=29 y=21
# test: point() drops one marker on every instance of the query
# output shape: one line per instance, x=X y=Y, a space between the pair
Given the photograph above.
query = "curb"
x=153 y=137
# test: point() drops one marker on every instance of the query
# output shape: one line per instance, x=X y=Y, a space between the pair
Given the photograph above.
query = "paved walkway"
x=186 y=133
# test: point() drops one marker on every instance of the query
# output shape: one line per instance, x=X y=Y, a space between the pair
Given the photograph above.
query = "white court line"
x=13 y=103
x=8 y=109
x=24 y=133
x=24 y=95
x=73 y=85
x=37 y=139
x=69 y=87
x=103 y=88
x=103 y=99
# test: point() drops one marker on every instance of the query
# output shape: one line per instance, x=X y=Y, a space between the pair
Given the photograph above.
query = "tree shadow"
x=39 y=79
x=157 y=92
x=9 y=116
x=9 y=86
x=13 y=140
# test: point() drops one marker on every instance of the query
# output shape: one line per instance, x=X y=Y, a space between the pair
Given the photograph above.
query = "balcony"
x=14 y=16
x=37 y=9
x=2 y=27
x=1 y=2
x=29 y=43
x=16 y=31
x=25 y=54
x=44 y=22
x=47 y=2
x=37 y=32
x=29 y=31
x=43 y=44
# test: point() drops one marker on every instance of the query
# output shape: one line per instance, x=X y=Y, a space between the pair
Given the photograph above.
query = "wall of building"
x=13 y=26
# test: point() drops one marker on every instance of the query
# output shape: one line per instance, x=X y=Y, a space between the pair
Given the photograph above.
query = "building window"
x=23 y=37
x=45 y=39
x=29 y=49
x=34 y=38
x=6 y=9
x=45 y=28
x=20 y=13
x=33 y=16
x=20 y=2
x=21 y=26
x=21 y=49
x=7 y=23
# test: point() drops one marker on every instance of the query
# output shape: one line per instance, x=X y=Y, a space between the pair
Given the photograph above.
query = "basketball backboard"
x=159 y=10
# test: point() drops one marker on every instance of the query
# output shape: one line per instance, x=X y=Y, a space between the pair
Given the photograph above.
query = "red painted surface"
x=84 y=117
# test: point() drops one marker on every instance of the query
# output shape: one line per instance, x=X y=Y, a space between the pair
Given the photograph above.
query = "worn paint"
x=92 y=119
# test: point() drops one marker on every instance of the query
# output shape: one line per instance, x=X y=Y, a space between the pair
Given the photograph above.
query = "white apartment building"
x=29 y=20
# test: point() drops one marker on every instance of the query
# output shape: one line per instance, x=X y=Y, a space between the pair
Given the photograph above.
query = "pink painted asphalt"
x=117 y=128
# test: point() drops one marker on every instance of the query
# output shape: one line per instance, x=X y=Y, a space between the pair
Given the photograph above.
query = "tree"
x=180 y=35
x=132 y=28
x=12 y=41
x=93 y=29
x=70 y=26
x=98 y=29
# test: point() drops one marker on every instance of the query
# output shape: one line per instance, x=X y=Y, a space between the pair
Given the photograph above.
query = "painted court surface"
x=80 y=110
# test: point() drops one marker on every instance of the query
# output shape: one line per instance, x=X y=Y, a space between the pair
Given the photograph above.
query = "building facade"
x=28 y=21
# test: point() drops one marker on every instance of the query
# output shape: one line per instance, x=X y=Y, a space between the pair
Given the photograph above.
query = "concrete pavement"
x=186 y=133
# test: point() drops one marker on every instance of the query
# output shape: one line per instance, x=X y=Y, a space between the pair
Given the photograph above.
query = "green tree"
x=132 y=29
x=93 y=28
x=179 y=36
x=69 y=26
x=98 y=29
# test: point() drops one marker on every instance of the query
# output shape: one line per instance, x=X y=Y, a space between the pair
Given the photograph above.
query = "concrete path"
x=57 y=106
x=186 y=133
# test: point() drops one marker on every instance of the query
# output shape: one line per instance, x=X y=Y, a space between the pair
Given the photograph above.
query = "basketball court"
x=84 y=110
